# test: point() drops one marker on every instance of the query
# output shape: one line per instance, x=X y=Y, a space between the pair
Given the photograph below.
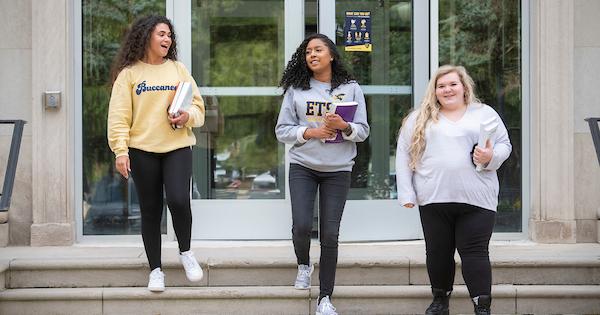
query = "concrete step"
x=274 y=271
x=409 y=299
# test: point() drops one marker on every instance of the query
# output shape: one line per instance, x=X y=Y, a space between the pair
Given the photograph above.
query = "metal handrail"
x=595 y=130
x=11 y=165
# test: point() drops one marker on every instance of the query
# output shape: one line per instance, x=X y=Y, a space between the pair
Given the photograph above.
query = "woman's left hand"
x=181 y=119
x=483 y=156
x=335 y=121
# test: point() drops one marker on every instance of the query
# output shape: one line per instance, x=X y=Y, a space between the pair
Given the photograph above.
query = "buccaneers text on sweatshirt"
x=137 y=114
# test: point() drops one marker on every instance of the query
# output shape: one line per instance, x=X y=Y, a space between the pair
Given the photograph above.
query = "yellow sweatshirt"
x=137 y=113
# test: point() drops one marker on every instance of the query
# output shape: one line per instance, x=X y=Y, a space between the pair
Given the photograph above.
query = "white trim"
x=240 y=91
x=386 y=89
x=275 y=91
x=77 y=97
x=326 y=13
x=525 y=118
x=420 y=50
x=182 y=22
x=294 y=16
x=434 y=38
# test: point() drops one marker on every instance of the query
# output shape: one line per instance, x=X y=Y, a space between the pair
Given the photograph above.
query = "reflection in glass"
x=484 y=37
x=238 y=43
x=237 y=155
x=110 y=203
x=390 y=64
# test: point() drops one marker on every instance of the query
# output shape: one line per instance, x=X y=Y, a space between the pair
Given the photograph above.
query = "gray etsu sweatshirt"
x=302 y=109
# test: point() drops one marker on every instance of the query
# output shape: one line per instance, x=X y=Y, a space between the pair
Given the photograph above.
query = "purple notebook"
x=346 y=110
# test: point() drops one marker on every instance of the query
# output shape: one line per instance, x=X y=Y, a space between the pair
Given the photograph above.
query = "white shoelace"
x=156 y=275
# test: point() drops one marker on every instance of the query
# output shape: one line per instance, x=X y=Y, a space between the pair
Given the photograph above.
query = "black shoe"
x=482 y=307
x=439 y=306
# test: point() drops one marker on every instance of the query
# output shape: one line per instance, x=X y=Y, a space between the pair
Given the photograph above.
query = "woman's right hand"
x=122 y=165
x=409 y=205
x=319 y=133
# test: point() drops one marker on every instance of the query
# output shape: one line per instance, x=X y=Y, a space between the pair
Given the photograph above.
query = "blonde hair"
x=430 y=108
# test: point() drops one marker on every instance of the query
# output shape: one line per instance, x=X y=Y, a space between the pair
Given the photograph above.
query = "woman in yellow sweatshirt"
x=145 y=76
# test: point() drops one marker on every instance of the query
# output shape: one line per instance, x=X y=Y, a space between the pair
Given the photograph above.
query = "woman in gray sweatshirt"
x=313 y=81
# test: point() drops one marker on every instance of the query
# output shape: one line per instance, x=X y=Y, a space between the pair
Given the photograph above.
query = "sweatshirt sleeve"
x=119 y=114
x=360 y=126
x=404 y=174
x=197 y=110
x=502 y=146
x=288 y=129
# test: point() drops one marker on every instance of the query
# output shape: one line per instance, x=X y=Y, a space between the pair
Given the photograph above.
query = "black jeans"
x=333 y=191
x=467 y=228
x=151 y=172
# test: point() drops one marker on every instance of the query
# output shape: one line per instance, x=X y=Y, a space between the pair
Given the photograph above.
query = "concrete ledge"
x=51 y=301
x=133 y=272
x=553 y=231
x=52 y=234
x=577 y=299
x=93 y=272
x=4 y=236
x=3 y=273
x=410 y=299
x=242 y=300
x=507 y=299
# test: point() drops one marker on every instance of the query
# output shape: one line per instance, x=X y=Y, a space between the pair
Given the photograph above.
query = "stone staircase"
x=256 y=278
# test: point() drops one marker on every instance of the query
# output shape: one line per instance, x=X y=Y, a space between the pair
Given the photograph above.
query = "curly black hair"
x=297 y=74
x=136 y=42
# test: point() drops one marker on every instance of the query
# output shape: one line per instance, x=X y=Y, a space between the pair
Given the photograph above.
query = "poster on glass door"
x=357 y=31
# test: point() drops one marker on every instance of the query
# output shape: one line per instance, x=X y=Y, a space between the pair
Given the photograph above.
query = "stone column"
x=552 y=218
x=587 y=104
x=52 y=165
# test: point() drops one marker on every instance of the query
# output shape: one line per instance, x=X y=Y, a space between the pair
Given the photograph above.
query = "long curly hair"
x=297 y=74
x=137 y=40
x=430 y=108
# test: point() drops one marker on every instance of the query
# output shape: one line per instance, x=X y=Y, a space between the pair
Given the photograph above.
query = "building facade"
x=534 y=61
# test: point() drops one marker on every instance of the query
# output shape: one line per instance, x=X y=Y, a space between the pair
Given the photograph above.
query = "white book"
x=486 y=131
x=182 y=99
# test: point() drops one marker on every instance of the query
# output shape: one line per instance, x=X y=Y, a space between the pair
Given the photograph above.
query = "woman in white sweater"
x=436 y=162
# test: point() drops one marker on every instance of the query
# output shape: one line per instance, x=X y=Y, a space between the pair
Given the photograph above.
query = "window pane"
x=484 y=37
x=388 y=66
x=237 y=43
x=110 y=203
x=390 y=62
x=237 y=155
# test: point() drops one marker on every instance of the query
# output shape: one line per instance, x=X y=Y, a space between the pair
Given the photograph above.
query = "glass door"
x=237 y=50
x=385 y=74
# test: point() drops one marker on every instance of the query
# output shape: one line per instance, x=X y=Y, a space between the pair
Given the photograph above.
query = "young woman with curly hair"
x=436 y=169
x=314 y=79
x=158 y=157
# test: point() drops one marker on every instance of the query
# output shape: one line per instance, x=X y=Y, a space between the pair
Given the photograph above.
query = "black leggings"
x=450 y=226
x=333 y=191
x=151 y=172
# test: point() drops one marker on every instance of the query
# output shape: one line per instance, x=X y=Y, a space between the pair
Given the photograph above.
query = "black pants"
x=151 y=172
x=467 y=228
x=333 y=191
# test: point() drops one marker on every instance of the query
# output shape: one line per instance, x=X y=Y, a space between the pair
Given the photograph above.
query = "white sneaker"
x=156 y=280
x=303 y=277
x=325 y=307
x=193 y=271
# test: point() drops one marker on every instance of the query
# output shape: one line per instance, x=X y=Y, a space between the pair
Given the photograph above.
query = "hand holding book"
x=343 y=113
x=181 y=101
x=484 y=151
